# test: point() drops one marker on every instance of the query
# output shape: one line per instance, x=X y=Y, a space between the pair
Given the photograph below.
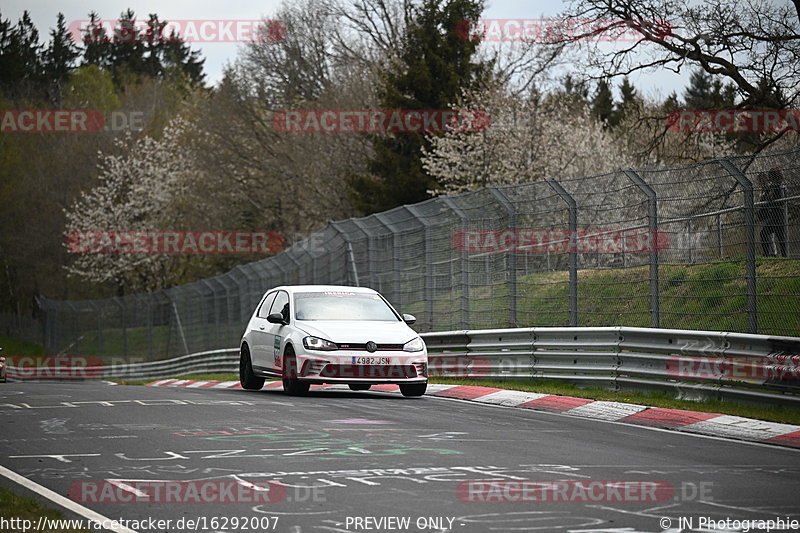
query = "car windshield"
x=334 y=305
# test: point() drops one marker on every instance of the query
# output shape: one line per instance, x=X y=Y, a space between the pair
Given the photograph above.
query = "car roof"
x=324 y=288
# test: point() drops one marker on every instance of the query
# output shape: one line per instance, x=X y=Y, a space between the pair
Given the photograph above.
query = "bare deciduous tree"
x=755 y=44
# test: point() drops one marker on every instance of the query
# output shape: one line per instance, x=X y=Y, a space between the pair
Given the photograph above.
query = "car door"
x=261 y=349
x=276 y=332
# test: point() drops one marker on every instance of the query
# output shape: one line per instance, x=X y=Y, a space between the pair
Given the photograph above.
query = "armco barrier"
x=214 y=361
x=692 y=364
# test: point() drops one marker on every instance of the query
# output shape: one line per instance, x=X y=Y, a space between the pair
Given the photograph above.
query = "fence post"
x=786 y=228
x=100 y=341
x=150 y=321
x=349 y=256
x=572 y=206
x=214 y=308
x=464 y=262
x=297 y=268
x=512 y=256
x=123 y=319
x=373 y=278
x=430 y=268
x=750 y=230
x=652 y=223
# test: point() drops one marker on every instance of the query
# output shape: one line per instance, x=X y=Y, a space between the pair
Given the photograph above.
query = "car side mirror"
x=276 y=318
x=409 y=319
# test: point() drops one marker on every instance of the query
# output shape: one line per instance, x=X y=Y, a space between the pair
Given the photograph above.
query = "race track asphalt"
x=341 y=461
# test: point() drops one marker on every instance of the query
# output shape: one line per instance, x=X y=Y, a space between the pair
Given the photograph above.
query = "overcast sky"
x=44 y=13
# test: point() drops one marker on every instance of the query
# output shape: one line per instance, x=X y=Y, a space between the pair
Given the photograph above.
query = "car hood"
x=358 y=331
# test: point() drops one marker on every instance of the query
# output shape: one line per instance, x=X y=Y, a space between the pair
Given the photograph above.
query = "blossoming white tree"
x=526 y=141
x=138 y=190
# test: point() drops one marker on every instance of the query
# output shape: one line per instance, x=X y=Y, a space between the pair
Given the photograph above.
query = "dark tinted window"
x=263 y=311
x=281 y=305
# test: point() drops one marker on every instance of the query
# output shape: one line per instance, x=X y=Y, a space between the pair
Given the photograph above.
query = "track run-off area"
x=218 y=459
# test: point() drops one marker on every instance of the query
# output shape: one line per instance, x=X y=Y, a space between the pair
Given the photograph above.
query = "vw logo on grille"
x=371 y=346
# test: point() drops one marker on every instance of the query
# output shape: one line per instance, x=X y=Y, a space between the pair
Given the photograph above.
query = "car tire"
x=291 y=385
x=247 y=377
x=413 y=389
x=359 y=386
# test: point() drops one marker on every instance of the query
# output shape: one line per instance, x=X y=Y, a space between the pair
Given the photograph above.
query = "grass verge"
x=13 y=347
x=14 y=506
x=785 y=415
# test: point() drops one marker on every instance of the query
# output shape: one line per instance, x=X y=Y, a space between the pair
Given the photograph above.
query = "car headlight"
x=315 y=343
x=414 y=345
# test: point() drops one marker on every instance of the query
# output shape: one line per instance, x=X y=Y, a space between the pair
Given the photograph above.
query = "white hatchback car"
x=331 y=334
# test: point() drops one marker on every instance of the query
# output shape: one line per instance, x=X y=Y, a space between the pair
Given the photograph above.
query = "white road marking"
x=61 y=458
x=62 y=501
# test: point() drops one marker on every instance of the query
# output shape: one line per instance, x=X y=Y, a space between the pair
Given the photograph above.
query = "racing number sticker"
x=277 y=349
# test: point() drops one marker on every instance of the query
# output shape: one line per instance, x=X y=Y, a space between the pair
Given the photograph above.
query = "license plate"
x=370 y=361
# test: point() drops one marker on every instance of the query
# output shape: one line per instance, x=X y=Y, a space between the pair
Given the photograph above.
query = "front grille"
x=369 y=371
x=363 y=346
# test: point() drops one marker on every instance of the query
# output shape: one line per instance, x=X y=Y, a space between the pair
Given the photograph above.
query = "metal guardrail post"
x=749 y=220
x=464 y=262
x=512 y=256
x=652 y=221
x=572 y=206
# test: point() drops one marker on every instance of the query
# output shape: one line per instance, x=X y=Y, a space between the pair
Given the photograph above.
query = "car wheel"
x=292 y=385
x=247 y=377
x=359 y=386
x=413 y=389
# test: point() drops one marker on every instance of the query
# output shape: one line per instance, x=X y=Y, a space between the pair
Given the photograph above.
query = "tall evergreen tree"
x=97 y=44
x=133 y=51
x=59 y=59
x=704 y=92
x=629 y=100
x=435 y=66
x=603 y=103
x=179 y=58
x=671 y=103
x=127 y=46
x=21 y=70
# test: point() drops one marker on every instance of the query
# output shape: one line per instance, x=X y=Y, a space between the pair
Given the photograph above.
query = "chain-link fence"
x=686 y=247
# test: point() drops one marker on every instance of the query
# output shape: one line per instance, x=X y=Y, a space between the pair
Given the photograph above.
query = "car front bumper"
x=363 y=367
